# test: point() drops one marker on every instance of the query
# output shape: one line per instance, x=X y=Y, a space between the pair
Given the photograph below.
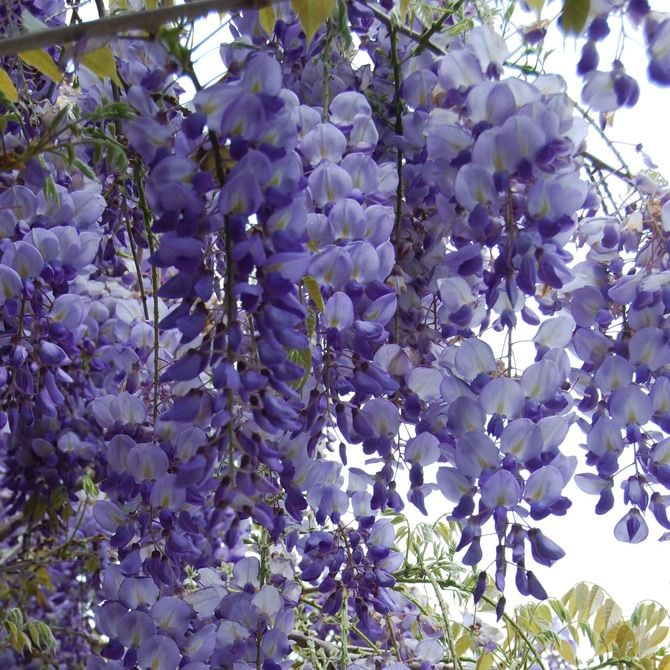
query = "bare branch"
x=147 y=21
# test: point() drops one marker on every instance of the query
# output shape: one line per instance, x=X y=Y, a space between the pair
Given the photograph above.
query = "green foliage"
x=574 y=15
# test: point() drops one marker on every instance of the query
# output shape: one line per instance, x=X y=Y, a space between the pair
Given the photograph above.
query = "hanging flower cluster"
x=236 y=331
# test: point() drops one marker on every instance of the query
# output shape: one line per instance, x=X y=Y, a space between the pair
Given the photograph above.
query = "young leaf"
x=312 y=14
x=267 y=19
x=574 y=15
x=43 y=63
x=314 y=292
x=537 y=5
x=7 y=87
x=101 y=62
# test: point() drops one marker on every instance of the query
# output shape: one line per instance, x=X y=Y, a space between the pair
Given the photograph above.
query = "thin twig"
x=147 y=21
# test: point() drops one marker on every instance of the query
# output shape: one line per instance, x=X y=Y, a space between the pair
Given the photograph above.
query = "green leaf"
x=314 y=291
x=34 y=633
x=43 y=63
x=83 y=168
x=574 y=15
x=312 y=14
x=7 y=87
x=567 y=652
x=537 y=5
x=267 y=19
x=485 y=661
x=58 y=497
x=462 y=645
x=89 y=486
x=15 y=616
x=404 y=6
x=101 y=62
x=607 y=615
x=303 y=357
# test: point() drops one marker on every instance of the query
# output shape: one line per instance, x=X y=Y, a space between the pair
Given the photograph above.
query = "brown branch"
x=147 y=21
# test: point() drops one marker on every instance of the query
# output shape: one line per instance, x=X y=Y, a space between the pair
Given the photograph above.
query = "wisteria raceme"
x=242 y=332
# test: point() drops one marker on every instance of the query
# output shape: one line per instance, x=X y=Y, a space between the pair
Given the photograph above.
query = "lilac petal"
x=241 y=194
x=135 y=627
x=423 y=449
x=328 y=184
x=158 y=653
x=501 y=490
x=45 y=242
x=268 y=601
x=339 y=311
x=544 y=485
x=585 y=304
x=11 y=285
x=107 y=617
x=199 y=647
x=244 y=118
x=172 y=615
x=262 y=75
x=472 y=358
x=383 y=309
x=347 y=219
x=605 y=437
x=127 y=409
x=52 y=354
x=429 y=650
x=592 y=484
x=166 y=494
x=382 y=417
x=502 y=396
x=117 y=452
x=365 y=260
x=555 y=333
x=631 y=528
x=146 y=461
x=474 y=186
x=545 y=551
x=598 y=92
x=363 y=135
x=453 y=484
x=535 y=589
x=649 y=347
x=364 y=173
x=324 y=142
x=457 y=69
x=553 y=429
x=630 y=405
x=246 y=572
x=290 y=265
x=474 y=453
x=21 y=202
x=146 y=136
x=426 y=383
x=24 y=258
x=541 y=381
x=135 y=591
x=332 y=267
x=69 y=310
x=109 y=515
x=393 y=359
x=346 y=106
x=615 y=372
x=523 y=439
